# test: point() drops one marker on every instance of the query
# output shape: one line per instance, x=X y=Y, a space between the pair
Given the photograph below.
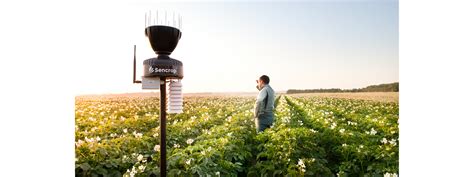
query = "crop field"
x=216 y=136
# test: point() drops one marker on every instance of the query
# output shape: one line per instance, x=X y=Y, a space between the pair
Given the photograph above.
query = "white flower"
x=155 y=135
x=393 y=142
x=390 y=175
x=97 y=139
x=344 y=145
x=218 y=173
x=176 y=146
x=133 y=172
x=384 y=141
x=188 y=162
x=312 y=130
x=141 y=167
x=301 y=165
x=342 y=130
x=361 y=146
x=157 y=147
x=190 y=141
x=137 y=135
x=79 y=143
x=140 y=157
x=372 y=131
x=125 y=130
x=89 y=140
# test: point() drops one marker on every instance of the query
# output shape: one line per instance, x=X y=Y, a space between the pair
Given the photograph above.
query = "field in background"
x=157 y=94
x=374 y=96
x=318 y=134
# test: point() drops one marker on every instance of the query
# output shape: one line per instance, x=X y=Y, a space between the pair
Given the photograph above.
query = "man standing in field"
x=264 y=105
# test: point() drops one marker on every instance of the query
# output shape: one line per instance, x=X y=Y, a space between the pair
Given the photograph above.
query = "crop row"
x=360 y=137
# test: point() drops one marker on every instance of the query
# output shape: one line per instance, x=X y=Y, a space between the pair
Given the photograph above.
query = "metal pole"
x=163 y=127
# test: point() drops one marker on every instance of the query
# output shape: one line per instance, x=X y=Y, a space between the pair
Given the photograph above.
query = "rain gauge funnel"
x=163 y=40
x=163 y=36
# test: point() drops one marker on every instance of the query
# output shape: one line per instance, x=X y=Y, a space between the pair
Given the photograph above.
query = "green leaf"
x=277 y=172
x=85 y=166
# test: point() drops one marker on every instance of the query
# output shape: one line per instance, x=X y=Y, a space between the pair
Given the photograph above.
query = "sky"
x=226 y=46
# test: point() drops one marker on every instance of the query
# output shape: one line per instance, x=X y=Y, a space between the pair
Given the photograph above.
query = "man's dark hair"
x=265 y=79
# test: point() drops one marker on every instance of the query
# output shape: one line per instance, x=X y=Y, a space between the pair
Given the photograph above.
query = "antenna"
x=135 y=81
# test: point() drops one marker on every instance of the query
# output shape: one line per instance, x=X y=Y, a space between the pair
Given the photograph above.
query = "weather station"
x=163 y=31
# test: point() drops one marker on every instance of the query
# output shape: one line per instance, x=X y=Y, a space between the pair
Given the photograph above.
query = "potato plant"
x=216 y=136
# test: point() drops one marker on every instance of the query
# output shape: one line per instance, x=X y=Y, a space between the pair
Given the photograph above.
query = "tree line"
x=391 y=87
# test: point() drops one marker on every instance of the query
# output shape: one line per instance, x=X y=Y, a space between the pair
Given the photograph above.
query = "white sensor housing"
x=175 y=97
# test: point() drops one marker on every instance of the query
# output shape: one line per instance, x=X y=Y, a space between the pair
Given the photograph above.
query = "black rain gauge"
x=163 y=32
